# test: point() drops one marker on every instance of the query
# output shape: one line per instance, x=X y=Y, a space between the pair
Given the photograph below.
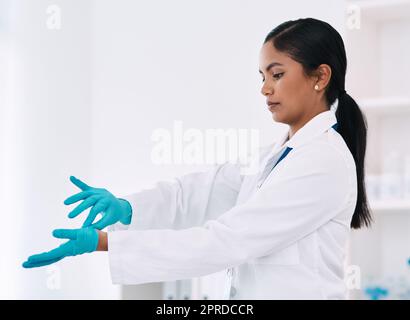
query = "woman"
x=281 y=233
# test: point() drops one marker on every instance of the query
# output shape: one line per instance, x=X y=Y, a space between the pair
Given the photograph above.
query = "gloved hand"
x=81 y=241
x=100 y=200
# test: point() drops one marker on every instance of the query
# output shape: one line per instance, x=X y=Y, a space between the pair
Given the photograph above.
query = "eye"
x=278 y=75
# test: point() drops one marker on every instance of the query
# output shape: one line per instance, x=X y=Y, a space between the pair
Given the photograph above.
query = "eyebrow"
x=271 y=65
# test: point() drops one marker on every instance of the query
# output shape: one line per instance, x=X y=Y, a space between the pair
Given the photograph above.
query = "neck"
x=293 y=128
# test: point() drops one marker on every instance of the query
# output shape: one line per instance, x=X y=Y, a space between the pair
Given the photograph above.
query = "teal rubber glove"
x=81 y=241
x=101 y=201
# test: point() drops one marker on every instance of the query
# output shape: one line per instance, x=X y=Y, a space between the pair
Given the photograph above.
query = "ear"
x=323 y=75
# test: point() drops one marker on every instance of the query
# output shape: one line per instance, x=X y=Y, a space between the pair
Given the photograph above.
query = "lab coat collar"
x=314 y=127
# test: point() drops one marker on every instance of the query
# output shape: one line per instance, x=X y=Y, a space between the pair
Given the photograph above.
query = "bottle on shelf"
x=391 y=177
x=406 y=177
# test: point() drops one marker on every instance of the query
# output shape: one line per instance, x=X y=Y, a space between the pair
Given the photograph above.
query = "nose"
x=266 y=90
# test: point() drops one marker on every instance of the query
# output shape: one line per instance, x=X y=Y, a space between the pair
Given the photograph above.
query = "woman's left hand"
x=81 y=241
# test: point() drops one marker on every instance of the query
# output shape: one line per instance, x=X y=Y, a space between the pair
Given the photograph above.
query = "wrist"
x=102 y=241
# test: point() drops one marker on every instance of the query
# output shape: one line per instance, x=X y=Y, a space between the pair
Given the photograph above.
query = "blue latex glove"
x=101 y=201
x=81 y=241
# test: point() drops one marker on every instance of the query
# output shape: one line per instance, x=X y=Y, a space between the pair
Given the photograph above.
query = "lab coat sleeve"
x=312 y=189
x=185 y=201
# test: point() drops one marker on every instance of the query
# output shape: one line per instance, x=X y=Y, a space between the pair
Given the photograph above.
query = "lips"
x=272 y=105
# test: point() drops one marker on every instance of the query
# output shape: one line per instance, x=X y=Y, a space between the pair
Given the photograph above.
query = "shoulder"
x=329 y=150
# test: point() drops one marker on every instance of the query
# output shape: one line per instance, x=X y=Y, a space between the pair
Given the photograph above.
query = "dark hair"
x=313 y=42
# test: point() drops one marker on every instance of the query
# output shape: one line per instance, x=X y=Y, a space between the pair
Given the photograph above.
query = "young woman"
x=281 y=233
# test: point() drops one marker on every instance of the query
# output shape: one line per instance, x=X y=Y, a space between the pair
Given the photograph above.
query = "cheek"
x=292 y=93
x=293 y=90
x=291 y=85
x=288 y=91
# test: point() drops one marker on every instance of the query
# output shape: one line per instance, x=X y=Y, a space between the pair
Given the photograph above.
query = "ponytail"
x=352 y=126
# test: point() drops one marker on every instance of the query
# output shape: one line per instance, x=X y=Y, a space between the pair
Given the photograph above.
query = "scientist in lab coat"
x=280 y=233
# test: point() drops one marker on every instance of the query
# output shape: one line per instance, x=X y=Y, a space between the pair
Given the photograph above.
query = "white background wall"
x=47 y=136
x=85 y=99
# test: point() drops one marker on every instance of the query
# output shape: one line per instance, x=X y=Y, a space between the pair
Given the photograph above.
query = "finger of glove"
x=65 y=233
x=83 y=186
x=102 y=223
x=61 y=251
x=29 y=264
x=78 y=196
x=99 y=207
x=89 y=202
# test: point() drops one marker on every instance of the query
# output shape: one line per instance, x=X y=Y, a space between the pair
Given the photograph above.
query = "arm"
x=284 y=210
x=186 y=201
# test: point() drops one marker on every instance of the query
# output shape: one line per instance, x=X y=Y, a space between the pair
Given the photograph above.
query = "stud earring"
x=316 y=87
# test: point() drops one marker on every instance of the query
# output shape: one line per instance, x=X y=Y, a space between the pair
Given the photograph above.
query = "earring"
x=316 y=87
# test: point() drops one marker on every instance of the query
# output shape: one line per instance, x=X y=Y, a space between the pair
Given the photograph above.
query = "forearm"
x=189 y=200
x=102 y=241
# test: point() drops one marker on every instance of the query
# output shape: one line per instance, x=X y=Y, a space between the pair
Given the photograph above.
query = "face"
x=286 y=83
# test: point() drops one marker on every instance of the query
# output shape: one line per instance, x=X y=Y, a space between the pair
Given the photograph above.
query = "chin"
x=281 y=117
x=276 y=117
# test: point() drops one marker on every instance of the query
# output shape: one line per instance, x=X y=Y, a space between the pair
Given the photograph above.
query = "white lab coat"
x=284 y=240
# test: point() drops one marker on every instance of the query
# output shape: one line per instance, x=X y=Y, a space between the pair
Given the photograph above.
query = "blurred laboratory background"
x=84 y=84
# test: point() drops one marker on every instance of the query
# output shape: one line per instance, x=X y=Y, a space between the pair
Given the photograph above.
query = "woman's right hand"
x=101 y=201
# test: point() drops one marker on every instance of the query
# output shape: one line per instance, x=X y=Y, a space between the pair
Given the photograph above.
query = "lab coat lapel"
x=276 y=151
x=317 y=125
x=272 y=158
